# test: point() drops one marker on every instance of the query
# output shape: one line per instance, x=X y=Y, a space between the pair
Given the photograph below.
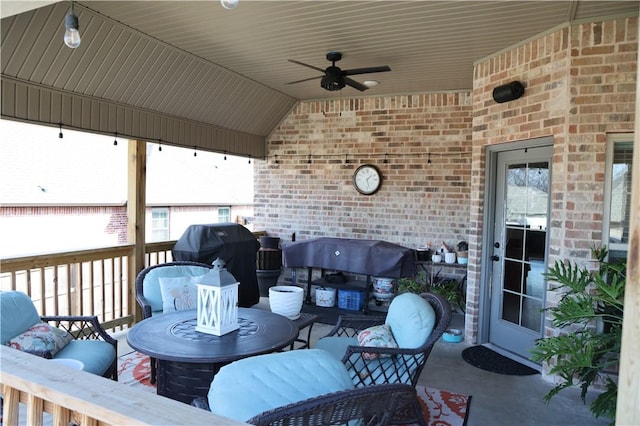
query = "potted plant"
x=415 y=284
x=451 y=290
x=462 y=250
x=591 y=310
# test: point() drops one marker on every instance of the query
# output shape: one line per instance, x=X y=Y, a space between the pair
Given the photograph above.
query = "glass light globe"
x=71 y=35
x=229 y=4
x=72 y=38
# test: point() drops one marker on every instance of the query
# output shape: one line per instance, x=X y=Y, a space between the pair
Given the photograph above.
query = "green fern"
x=582 y=354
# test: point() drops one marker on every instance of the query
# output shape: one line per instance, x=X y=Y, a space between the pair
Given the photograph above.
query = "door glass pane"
x=511 y=307
x=515 y=240
x=513 y=275
x=526 y=212
x=531 y=309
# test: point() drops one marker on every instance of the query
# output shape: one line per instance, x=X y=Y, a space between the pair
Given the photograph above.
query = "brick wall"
x=580 y=86
x=426 y=141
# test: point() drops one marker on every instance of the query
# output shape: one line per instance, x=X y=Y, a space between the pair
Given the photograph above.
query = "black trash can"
x=234 y=244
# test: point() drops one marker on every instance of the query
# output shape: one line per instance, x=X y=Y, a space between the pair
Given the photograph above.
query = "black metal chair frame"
x=146 y=306
x=373 y=405
x=394 y=365
x=86 y=328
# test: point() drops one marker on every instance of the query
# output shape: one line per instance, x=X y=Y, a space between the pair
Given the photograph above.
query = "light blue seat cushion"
x=336 y=346
x=151 y=284
x=252 y=385
x=411 y=319
x=96 y=355
x=17 y=314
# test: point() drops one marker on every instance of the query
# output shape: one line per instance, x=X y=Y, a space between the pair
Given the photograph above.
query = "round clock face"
x=367 y=179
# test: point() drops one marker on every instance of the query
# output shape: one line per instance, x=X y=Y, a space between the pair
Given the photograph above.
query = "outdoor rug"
x=486 y=359
x=440 y=408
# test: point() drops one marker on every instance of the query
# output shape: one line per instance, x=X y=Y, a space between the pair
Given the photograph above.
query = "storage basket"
x=326 y=297
x=350 y=299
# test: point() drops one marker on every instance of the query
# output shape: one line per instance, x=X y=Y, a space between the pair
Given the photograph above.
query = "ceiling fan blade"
x=355 y=71
x=361 y=87
x=306 y=79
x=307 y=65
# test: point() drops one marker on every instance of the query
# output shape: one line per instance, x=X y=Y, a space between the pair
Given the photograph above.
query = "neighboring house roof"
x=38 y=168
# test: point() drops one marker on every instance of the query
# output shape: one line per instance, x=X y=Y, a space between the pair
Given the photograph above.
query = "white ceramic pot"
x=326 y=297
x=286 y=300
x=383 y=288
x=450 y=257
x=436 y=258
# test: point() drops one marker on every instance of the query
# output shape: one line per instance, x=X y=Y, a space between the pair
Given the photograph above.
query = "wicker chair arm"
x=81 y=327
x=373 y=405
x=350 y=325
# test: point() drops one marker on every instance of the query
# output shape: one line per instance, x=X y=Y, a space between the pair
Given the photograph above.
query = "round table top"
x=173 y=337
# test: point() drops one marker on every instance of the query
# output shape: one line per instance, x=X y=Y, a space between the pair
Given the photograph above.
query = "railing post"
x=136 y=204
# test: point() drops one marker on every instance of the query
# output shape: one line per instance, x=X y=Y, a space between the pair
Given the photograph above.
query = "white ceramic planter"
x=286 y=300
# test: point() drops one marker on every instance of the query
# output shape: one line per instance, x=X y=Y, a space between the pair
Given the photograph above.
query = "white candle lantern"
x=217 y=301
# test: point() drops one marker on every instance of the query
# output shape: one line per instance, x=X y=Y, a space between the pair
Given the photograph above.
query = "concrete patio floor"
x=497 y=400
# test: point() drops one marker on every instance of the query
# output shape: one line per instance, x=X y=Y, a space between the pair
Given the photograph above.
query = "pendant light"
x=229 y=4
x=71 y=35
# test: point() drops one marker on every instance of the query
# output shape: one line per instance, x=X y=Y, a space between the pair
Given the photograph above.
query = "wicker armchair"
x=148 y=294
x=373 y=405
x=392 y=365
x=91 y=344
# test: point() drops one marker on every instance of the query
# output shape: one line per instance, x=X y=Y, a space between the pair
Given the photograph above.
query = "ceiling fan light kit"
x=335 y=78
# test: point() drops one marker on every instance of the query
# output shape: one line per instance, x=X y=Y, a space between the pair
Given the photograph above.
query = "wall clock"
x=367 y=179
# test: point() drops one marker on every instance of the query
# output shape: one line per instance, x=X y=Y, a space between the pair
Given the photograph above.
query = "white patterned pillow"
x=379 y=336
x=41 y=339
x=178 y=293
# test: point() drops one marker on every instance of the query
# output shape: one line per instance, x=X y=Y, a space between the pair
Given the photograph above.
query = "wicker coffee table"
x=187 y=360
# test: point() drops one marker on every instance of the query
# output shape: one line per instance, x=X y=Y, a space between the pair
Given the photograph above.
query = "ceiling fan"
x=334 y=78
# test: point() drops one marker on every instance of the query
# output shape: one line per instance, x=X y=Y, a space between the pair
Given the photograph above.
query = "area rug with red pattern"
x=440 y=407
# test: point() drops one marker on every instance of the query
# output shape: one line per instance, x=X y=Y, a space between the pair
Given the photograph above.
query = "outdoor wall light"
x=229 y=4
x=71 y=35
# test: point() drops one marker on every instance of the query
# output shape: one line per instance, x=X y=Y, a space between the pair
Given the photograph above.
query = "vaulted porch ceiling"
x=192 y=73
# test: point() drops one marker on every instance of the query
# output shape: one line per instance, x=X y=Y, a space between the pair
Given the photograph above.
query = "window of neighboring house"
x=159 y=224
x=618 y=196
x=224 y=214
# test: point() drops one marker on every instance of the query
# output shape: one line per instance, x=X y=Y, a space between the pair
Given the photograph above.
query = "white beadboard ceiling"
x=197 y=62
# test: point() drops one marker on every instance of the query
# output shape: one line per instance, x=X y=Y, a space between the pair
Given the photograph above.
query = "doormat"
x=440 y=407
x=488 y=360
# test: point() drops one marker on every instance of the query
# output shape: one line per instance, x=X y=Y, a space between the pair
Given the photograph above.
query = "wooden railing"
x=34 y=393
x=97 y=281
x=83 y=282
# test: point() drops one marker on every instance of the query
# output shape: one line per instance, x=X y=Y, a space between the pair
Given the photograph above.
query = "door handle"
x=495 y=258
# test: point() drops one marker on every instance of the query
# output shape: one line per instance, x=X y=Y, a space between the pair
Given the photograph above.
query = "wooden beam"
x=136 y=204
x=628 y=405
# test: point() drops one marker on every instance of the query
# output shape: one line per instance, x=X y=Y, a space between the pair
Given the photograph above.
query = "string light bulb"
x=160 y=145
x=386 y=160
x=429 y=159
x=60 y=135
x=229 y=4
x=195 y=151
x=71 y=34
x=276 y=159
x=115 y=139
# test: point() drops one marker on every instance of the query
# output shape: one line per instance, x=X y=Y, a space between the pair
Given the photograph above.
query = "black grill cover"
x=234 y=244
x=367 y=257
